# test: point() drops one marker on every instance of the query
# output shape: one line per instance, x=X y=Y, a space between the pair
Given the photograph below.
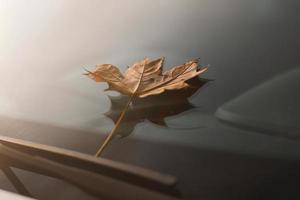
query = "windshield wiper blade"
x=88 y=172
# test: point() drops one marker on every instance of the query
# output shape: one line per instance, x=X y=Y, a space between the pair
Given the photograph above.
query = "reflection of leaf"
x=142 y=79
x=145 y=78
x=153 y=108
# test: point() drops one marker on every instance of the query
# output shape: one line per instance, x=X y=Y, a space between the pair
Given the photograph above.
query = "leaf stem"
x=112 y=133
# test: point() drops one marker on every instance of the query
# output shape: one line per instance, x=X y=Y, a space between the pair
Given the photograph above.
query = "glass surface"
x=45 y=98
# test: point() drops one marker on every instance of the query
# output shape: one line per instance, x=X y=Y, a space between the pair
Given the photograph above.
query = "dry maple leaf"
x=145 y=77
x=142 y=79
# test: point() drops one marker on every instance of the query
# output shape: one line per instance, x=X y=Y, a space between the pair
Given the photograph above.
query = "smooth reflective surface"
x=153 y=108
x=45 y=98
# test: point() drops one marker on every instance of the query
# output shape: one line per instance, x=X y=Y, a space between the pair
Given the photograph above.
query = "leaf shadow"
x=153 y=108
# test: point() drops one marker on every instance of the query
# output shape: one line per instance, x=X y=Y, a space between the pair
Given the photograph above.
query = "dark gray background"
x=45 y=98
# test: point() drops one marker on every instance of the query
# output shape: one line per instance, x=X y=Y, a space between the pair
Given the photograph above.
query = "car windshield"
x=47 y=46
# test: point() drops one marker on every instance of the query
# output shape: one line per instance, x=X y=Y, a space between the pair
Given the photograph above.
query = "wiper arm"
x=101 y=177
